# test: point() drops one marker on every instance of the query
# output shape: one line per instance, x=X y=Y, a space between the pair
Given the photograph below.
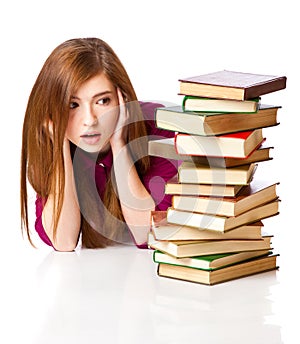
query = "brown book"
x=221 y=223
x=173 y=187
x=234 y=145
x=193 y=248
x=174 y=118
x=231 y=85
x=161 y=229
x=247 y=268
x=165 y=148
x=189 y=172
x=251 y=196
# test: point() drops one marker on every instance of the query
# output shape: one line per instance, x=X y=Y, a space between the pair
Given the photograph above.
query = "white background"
x=158 y=42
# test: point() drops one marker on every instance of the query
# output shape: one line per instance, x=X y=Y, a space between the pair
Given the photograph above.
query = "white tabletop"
x=114 y=295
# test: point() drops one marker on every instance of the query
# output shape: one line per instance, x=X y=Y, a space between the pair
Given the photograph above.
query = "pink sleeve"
x=161 y=170
x=39 y=204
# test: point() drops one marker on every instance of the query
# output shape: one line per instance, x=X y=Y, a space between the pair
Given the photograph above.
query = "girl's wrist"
x=117 y=146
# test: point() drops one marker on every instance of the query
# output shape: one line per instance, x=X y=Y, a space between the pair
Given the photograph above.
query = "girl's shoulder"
x=148 y=110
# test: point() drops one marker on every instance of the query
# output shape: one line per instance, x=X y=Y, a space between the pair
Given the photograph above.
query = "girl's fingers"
x=120 y=97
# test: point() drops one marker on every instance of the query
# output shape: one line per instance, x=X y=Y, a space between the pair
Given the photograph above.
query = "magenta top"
x=160 y=171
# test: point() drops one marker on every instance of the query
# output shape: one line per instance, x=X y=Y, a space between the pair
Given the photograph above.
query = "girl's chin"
x=94 y=148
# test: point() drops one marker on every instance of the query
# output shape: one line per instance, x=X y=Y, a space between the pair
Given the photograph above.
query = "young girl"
x=84 y=151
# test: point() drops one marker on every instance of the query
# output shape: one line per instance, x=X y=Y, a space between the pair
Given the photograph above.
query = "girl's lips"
x=91 y=138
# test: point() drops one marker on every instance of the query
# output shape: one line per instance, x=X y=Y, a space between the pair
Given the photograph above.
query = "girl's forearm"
x=136 y=202
x=68 y=227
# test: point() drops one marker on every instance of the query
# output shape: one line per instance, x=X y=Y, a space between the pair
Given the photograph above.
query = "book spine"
x=257 y=90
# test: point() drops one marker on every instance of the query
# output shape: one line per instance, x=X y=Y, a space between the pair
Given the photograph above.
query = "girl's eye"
x=73 y=105
x=104 y=101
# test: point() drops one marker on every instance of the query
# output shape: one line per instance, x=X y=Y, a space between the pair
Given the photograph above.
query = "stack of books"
x=214 y=231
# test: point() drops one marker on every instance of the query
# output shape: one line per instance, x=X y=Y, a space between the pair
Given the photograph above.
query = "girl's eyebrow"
x=100 y=94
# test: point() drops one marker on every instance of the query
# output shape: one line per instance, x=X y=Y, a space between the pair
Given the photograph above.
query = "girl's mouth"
x=91 y=138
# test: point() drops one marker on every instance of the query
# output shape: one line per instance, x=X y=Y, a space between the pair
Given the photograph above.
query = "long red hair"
x=68 y=66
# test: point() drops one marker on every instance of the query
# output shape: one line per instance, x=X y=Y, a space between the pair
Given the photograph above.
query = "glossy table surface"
x=114 y=295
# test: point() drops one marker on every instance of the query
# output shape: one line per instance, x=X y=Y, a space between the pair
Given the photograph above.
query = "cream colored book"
x=193 y=248
x=243 y=269
x=173 y=187
x=174 y=118
x=209 y=262
x=163 y=230
x=189 y=172
x=221 y=223
x=251 y=196
x=204 y=104
x=165 y=148
x=234 y=145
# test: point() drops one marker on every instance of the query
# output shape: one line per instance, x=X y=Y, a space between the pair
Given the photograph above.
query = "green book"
x=208 y=262
x=226 y=273
x=202 y=104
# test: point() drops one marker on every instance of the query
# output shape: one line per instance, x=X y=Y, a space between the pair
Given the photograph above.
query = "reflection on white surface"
x=114 y=295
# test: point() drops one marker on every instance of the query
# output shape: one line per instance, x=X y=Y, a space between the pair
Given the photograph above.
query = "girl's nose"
x=90 y=118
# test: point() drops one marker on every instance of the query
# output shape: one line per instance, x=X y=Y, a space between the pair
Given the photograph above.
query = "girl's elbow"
x=65 y=246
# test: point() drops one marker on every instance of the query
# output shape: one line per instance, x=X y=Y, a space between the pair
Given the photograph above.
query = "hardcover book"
x=221 y=223
x=255 y=194
x=243 y=269
x=173 y=187
x=209 y=262
x=165 y=148
x=209 y=124
x=231 y=85
x=202 y=104
x=180 y=249
x=161 y=229
x=235 y=145
x=189 y=172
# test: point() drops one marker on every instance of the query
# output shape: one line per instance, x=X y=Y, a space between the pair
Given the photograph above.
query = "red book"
x=235 y=145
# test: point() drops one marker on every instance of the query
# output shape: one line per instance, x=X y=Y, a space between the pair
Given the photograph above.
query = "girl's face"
x=93 y=114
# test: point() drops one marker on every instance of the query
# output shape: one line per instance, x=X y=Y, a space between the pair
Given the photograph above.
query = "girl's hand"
x=118 y=138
